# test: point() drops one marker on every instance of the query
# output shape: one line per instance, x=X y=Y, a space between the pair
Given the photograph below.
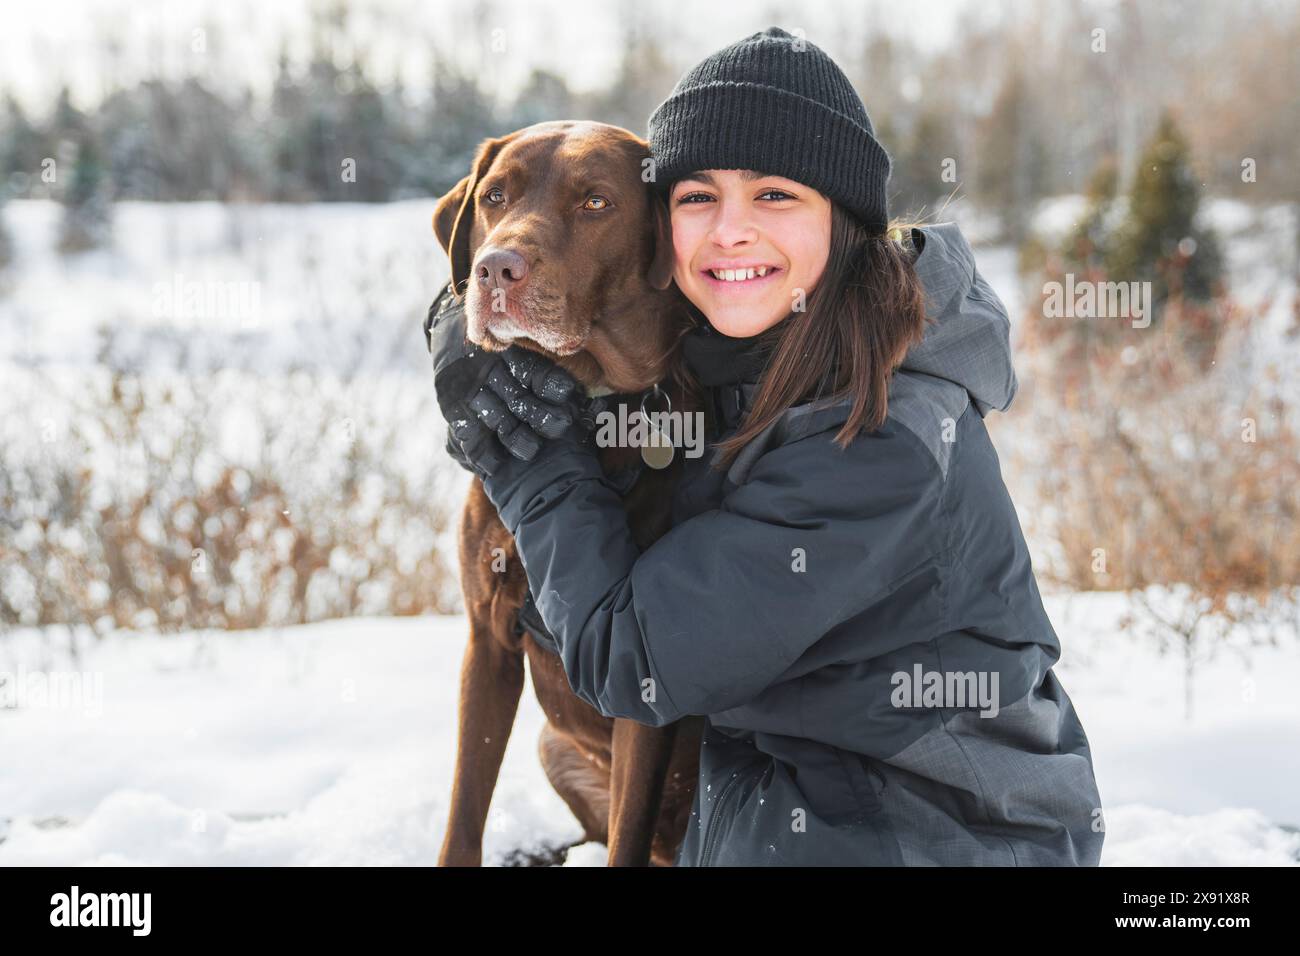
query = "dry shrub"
x=1164 y=459
x=220 y=501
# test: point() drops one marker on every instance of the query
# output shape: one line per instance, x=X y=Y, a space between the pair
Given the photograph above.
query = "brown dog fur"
x=598 y=291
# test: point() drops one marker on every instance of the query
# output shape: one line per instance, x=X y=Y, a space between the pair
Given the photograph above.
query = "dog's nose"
x=501 y=269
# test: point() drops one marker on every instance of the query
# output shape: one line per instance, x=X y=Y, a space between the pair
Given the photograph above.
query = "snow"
x=334 y=744
x=328 y=744
x=1241 y=748
x=339 y=286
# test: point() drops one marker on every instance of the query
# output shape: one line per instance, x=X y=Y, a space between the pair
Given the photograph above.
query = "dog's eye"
x=596 y=203
x=495 y=195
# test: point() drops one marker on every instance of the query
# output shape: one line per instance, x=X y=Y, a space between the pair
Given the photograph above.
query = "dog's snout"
x=501 y=269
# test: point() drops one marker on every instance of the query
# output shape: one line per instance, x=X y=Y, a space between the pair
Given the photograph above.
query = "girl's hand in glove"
x=525 y=402
x=523 y=389
x=531 y=423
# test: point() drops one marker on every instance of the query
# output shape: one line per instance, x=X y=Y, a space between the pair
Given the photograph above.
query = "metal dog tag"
x=658 y=451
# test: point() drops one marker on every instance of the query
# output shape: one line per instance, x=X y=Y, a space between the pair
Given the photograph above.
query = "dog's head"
x=557 y=242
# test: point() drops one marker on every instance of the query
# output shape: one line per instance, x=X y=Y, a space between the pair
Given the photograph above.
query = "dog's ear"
x=453 y=216
x=446 y=211
x=661 y=265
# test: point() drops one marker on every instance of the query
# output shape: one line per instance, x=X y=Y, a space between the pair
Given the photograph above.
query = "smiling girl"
x=717 y=214
x=845 y=593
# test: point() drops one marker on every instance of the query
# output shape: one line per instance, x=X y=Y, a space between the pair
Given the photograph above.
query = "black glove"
x=458 y=365
x=498 y=404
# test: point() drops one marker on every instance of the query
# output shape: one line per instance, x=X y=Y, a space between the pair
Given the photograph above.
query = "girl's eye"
x=596 y=203
x=778 y=193
x=495 y=195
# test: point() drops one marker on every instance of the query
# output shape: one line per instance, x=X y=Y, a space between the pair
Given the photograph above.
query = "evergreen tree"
x=6 y=243
x=459 y=116
x=1012 y=157
x=644 y=77
x=22 y=146
x=1084 y=249
x=87 y=211
x=916 y=184
x=544 y=97
x=1159 y=240
x=288 y=107
x=1149 y=236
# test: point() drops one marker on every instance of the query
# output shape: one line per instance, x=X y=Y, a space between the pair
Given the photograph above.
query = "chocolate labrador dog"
x=556 y=243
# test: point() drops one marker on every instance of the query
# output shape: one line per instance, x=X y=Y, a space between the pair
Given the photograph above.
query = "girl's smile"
x=740 y=278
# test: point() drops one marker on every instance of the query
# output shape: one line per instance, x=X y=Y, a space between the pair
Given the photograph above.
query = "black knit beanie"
x=778 y=104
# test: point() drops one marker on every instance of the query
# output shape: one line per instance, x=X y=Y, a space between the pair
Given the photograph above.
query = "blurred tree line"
x=1026 y=102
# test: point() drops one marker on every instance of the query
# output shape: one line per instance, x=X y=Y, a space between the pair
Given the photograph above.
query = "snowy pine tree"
x=87 y=210
x=1159 y=240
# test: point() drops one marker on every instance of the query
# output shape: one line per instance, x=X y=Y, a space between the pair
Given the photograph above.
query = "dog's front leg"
x=491 y=681
x=491 y=677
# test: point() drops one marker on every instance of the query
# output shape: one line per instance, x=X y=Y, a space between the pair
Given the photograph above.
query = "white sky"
x=43 y=43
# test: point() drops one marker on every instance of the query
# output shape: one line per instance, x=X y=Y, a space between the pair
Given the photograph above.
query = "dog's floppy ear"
x=661 y=266
x=453 y=216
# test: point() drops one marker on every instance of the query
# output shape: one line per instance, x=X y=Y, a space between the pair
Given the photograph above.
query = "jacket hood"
x=968 y=341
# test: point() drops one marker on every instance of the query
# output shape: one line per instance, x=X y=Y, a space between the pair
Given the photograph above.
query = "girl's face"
x=747 y=222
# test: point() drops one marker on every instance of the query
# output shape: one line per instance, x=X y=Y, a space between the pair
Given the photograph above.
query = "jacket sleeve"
x=718 y=608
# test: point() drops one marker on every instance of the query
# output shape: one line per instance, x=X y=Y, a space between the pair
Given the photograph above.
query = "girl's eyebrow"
x=748 y=175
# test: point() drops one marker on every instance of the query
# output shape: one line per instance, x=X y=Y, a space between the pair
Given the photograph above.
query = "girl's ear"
x=661 y=267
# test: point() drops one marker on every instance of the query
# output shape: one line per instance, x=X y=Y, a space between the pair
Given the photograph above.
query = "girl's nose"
x=732 y=225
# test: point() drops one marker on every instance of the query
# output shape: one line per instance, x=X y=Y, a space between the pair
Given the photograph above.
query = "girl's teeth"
x=739 y=275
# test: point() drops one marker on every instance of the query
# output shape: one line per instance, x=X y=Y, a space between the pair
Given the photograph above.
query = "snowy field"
x=334 y=744
x=335 y=286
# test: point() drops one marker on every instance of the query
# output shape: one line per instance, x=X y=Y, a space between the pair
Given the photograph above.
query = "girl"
x=846 y=593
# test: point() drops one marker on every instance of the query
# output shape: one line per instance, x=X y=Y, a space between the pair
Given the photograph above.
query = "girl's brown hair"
x=866 y=311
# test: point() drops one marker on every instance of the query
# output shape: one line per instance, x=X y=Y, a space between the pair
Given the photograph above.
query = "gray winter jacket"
x=860 y=626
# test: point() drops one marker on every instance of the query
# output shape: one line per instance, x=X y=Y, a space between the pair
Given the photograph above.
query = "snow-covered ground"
x=334 y=744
